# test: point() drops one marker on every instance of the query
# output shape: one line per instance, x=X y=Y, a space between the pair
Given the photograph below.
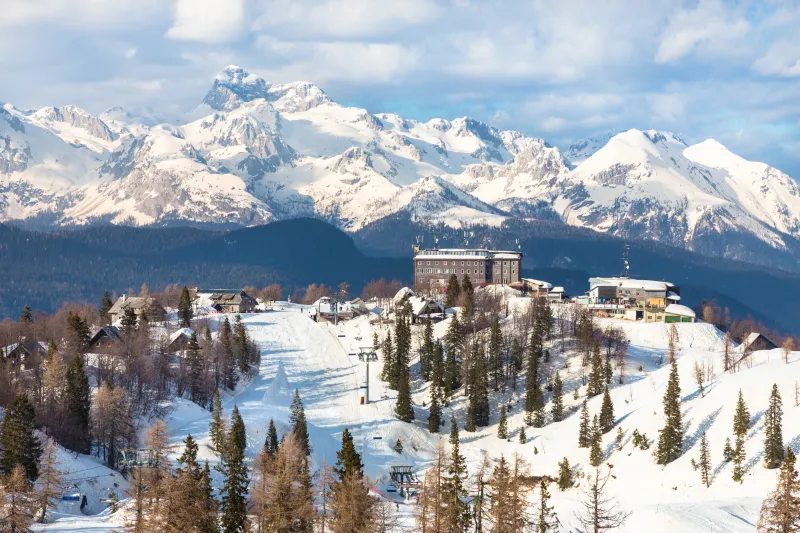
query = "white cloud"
x=712 y=29
x=79 y=13
x=338 y=61
x=343 y=19
x=667 y=107
x=209 y=21
x=129 y=53
x=782 y=59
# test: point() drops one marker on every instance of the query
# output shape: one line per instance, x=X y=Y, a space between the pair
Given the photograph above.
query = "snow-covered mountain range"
x=253 y=152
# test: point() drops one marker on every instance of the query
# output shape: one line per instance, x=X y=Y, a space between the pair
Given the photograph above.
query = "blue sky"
x=558 y=70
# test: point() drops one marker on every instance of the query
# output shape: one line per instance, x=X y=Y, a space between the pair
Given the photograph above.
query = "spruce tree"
x=495 y=358
x=185 y=308
x=739 y=456
x=780 y=512
x=405 y=411
x=426 y=354
x=297 y=418
x=228 y=367
x=348 y=460
x=502 y=426
x=453 y=291
x=437 y=371
x=217 y=428
x=434 y=410
x=271 y=442
x=565 y=475
x=78 y=396
x=727 y=452
x=546 y=519
x=705 y=462
x=557 y=410
x=773 y=432
x=523 y=438
x=195 y=362
x=454 y=343
x=398 y=446
x=670 y=438
x=618 y=439
x=234 y=493
x=478 y=404
x=26 y=317
x=584 y=435
x=595 y=443
x=741 y=417
x=532 y=392
x=597 y=373
x=208 y=520
x=457 y=515
x=239 y=437
x=19 y=443
x=606 y=412
x=188 y=459
x=105 y=306
x=467 y=298
x=387 y=373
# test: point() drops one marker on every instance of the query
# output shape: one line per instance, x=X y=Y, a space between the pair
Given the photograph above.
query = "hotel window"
x=481 y=271
x=429 y=263
x=462 y=264
x=462 y=270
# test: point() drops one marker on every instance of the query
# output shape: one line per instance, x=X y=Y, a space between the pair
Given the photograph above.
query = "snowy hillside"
x=318 y=359
x=252 y=152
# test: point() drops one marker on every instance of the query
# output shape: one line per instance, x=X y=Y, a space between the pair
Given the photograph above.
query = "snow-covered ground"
x=319 y=359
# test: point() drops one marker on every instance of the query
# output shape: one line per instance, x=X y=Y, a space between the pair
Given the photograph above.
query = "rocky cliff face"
x=253 y=152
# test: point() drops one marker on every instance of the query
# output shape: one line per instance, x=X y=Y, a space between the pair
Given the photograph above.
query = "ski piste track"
x=320 y=360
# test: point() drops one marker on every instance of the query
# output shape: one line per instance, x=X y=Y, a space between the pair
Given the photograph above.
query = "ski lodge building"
x=432 y=268
x=637 y=299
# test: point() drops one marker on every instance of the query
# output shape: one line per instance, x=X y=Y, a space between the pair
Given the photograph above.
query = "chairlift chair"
x=71 y=494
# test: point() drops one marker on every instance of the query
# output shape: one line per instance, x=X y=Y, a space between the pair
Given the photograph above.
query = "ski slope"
x=319 y=359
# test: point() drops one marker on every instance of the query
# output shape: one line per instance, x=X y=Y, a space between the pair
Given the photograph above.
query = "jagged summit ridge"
x=253 y=151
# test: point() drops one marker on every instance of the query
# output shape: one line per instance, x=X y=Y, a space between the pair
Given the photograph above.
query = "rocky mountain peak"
x=234 y=85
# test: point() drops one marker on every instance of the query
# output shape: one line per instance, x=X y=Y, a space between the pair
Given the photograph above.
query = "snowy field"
x=319 y=360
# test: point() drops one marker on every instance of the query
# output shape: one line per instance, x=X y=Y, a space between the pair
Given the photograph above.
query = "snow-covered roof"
x=418 y=304
x=183 y=332
x=673 y=296
x=680 y=310
x=466 y=254
x=629 y=283
x=558 y=289
x=403 y=293
x=540 y=283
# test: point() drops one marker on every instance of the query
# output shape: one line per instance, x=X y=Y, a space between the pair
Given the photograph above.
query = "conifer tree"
x=523 y=438
x=19 y=443
x=188 y=459
x=105 y=306
x=457 y=514
x=606 y=412
x=185 y=308
x=398 y=446
x=467 y=298
x=271 y=442
x=217 y=428
x=741 y=417
x=348 y=460
x=129 y=320
x=78 y=396
x=596 y=440
x=389 y=366
x=239 y=437
x=773 y=432
x=535 y=351
x=495 y=359
x=426 y=354
x=242 y=350
x=727 y=452
x=739 y=456
x=454 y=343
x=478 y=406
x=558 y=400
x=405 y=411
x=228 y=367
x=502 y=426
x=195 y=362
x=584 y=439
x=565 y=475
x=619 y=437
x=234 y=493
x=208 y=505
x=597 y=373
x=780 y=512
x=705 y=462
x=297 y=418
x=26 y=316
x=670 y=438
x=437 y=371
x=453 y=291
x=434 y=410
x=546 y=518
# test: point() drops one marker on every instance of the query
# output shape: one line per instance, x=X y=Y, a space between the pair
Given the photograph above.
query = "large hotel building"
x=434 y=267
